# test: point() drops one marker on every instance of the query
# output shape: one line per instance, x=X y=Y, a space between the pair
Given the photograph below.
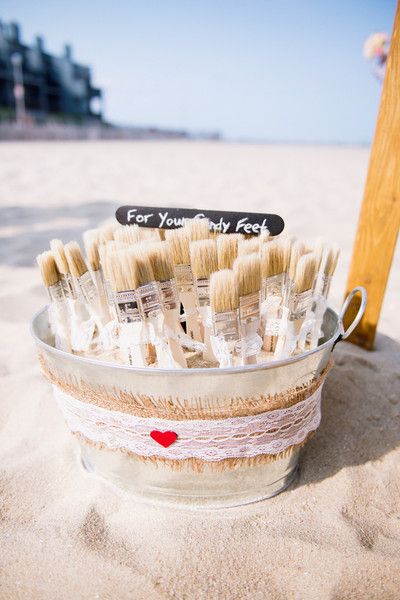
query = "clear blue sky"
x=283 y=70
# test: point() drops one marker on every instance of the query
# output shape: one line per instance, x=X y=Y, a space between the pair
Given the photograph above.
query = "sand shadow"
x=20 y=249
x=361 y=410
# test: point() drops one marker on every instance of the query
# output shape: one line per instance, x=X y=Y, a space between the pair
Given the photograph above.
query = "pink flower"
x=376 y=45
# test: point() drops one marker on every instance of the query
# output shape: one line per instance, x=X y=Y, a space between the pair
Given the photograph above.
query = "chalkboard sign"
x=222 y=221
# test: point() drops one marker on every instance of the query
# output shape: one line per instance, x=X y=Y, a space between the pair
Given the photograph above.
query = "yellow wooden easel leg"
x=380 y=212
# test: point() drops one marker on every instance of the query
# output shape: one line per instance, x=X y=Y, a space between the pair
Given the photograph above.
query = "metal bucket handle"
x=344 y=333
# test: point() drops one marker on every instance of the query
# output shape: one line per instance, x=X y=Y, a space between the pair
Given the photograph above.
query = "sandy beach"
x=65 y=534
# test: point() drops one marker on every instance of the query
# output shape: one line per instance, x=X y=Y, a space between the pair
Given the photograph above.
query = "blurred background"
x=260 y=105
x=261 y=70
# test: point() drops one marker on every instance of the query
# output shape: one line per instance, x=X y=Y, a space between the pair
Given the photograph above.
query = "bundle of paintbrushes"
x=186 y=297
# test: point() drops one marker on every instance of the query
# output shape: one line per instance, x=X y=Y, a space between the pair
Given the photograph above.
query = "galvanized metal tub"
x=186 y=486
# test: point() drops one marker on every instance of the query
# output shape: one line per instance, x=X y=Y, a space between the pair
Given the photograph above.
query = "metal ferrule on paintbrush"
x=56 y=292
x=169 y=294
x=226 y=325
x=299 y=305
x=68 y=285
x=203 y=292
x=184 y=278
x=126 y=307
x=87 y=288
x=149 y=300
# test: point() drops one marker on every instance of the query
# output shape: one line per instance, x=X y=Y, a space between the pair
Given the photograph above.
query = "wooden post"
x=380 y=212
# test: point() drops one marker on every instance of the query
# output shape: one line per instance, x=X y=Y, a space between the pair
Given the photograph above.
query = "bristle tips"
x=203 y=258
x=248 y=273
x=48 y=268
x=224 y=293
x=75 y=259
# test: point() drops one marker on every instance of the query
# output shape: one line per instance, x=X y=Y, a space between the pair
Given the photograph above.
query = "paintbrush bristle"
x=57 y=249
x=102 y=248
x=197 y=229
x=48 y=268
x=249 y=246
x=128 y=234
x=264 y=236
x=161 y=261
x=106 y=233
x=297 y=250
x=306 y=272
x=248 y=273
x=203 y=258
x=75 y=259
x=91 y=244
x=178 y=241
x=149 y=234
x=114 y=245
x=286 y=245
x=115 y=272
x=331 y=260
x=227 y=249
x=105 y=250
x=137 y=267
x=224 y=293
x=272 y=260
x=317 y=248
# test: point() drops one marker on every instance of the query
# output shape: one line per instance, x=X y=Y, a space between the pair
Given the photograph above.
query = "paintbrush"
x=328 y=266
x=131 y=335
x=227 y=249
x=273 y=290
x=224 y=299
x=204 y=261
x=83 y=281
x=103 y=252
x=84 y=310
x=247 y=269
x=58 y=306
x=306 y=333
x=301 y=299
x=91 y=243
x=163 y=270
x=57 y=249
x=178 y=242
x=141 y=278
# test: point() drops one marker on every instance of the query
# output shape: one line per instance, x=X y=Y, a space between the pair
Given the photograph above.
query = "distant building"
x=53 y=86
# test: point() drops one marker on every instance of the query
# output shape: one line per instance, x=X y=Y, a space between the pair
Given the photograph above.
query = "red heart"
x=165 y=438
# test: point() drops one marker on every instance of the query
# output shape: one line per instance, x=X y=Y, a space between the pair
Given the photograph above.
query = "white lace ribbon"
x=209 y=440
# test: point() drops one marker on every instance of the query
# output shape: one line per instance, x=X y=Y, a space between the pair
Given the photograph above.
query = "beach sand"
x=65 y=534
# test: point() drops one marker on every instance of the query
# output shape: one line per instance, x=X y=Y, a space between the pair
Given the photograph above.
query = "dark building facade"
x=54 y=86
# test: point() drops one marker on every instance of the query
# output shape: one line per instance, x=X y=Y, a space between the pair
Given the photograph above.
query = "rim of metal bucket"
x=339 y=334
